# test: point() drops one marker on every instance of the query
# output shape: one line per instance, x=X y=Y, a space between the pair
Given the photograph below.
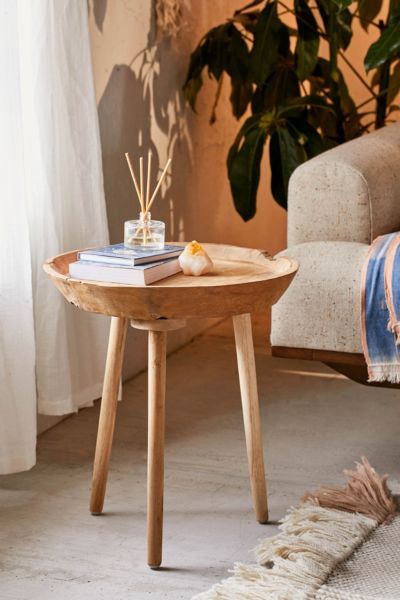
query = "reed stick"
x=148 y=179
x=141 y=184
x=158 y=184
x=128 y=160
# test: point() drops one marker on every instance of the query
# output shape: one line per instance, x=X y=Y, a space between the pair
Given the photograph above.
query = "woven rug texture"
x=373 y=571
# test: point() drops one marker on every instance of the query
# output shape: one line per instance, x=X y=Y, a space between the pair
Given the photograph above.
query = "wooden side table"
x=243 y=281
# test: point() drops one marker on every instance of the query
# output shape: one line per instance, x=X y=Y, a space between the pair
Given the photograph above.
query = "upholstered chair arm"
x=350 y=193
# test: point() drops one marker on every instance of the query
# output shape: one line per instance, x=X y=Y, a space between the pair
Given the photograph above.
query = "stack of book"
x=119 y=264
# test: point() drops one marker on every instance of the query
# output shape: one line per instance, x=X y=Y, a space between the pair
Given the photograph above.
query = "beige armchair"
x=338 y=203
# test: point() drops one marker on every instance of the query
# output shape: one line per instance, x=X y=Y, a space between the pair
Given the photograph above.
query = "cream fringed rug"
x=339 y=544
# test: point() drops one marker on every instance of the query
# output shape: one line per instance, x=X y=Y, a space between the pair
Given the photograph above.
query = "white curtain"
x=51 y=200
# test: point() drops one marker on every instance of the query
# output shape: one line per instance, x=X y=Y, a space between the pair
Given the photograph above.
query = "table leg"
x=156 y=432
x=251 y=413
x=108 y=411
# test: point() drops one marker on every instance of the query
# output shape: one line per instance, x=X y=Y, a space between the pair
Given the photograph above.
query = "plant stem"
x=356 y=73
x=374 y=97
x=384 y=77
x=365 y=102
x=333 y=62
x=381 y=102
x=246 y=37
x=368 y=125
x=303 y=87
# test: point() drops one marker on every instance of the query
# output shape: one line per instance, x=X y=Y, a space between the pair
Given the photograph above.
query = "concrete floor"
x=315 y=424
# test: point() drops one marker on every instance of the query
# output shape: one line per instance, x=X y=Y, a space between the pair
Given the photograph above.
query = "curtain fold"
x=52 y=200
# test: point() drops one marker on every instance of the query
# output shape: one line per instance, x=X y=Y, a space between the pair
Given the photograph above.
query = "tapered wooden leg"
x=156 y=431
x=108 y=411
x=251 y=413
x=156 y=427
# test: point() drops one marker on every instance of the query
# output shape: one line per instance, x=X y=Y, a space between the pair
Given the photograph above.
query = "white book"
x=139 y=275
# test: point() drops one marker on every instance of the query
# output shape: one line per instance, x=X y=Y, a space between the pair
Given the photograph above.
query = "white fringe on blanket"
x=384 y=372
x=295 y=563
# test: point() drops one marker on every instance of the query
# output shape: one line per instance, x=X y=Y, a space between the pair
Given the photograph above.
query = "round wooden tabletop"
x=243 y=281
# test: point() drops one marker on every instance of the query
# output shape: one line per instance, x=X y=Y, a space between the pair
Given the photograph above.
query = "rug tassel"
x=295 y=563
x=315 y=537
x=365 y=493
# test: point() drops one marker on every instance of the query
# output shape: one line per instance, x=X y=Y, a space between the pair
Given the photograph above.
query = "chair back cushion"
x=350 y=193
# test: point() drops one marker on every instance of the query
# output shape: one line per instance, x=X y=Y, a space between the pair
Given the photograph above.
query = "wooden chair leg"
x=251 y=413
x=108 y=411
x=156 y=428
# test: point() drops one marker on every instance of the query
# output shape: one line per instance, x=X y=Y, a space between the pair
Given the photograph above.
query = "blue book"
x=118 y=254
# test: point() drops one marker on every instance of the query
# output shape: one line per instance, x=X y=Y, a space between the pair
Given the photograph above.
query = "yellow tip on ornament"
x=195 y=261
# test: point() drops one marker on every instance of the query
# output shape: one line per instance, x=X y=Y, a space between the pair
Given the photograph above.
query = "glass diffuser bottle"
x=144 y=232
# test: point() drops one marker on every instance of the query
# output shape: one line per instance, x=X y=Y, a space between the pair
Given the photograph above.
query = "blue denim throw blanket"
x=380 y=309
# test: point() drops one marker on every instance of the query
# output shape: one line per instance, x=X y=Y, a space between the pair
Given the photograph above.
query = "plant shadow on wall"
x=140 y=98
x=273 y=53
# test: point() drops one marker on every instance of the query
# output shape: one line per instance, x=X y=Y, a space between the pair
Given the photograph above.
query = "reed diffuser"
x=144 y=231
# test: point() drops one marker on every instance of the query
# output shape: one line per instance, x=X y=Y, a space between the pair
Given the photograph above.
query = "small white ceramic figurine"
x=194 y=260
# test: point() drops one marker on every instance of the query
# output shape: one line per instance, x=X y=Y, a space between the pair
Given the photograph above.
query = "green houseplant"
x=295 y=89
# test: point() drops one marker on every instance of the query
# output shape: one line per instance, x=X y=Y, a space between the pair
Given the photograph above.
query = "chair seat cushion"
x=321 y=308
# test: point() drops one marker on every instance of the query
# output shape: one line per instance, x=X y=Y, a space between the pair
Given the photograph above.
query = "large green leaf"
x=267 y=37
x=321 y=84
x=236 y=58
x=307 y=41
x=347 y=102
x=221 y=49
x=368 y=10
x=339 y=97
x=386 y=47
x=311 y=138
x=217 y=50
x=281 y=84
x=243 y=163
x=337 y=23
x=240 y=97
x=193 y=83
x=286 y=153
x=320 y=78
x=306 y=57
x=191 y=89
x=327 y=122
x=226 y=51
x=343 y=23
x=352 y=119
